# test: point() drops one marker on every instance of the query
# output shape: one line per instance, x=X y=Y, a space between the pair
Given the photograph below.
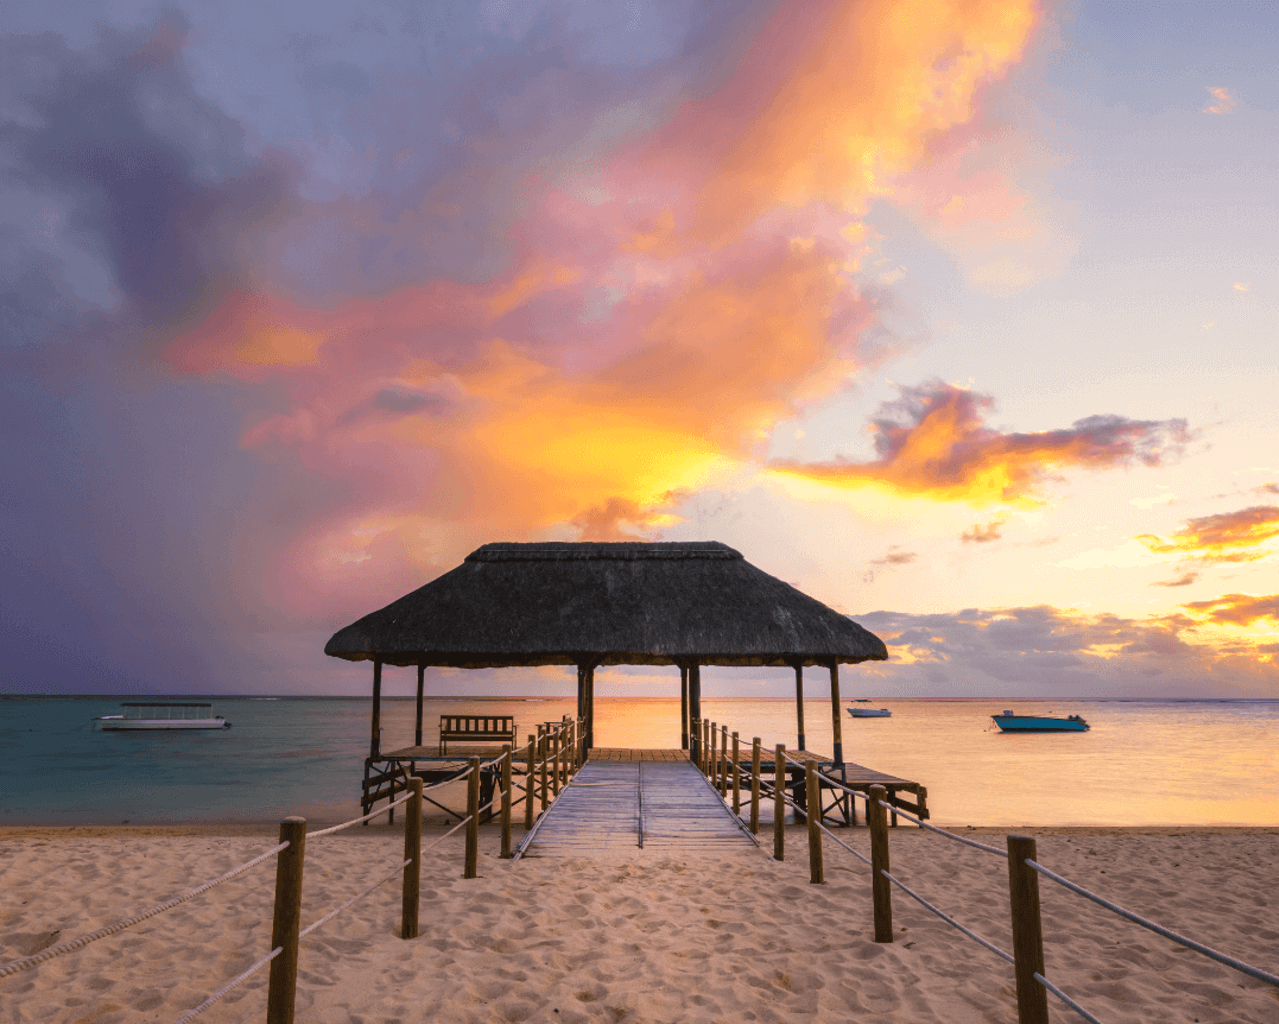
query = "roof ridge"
x=564 y=551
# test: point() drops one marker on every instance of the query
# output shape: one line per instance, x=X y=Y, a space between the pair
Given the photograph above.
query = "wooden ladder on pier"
x=630 y=805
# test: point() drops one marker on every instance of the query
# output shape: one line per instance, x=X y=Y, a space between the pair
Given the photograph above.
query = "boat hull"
x=153 y=724
x=1031 y=723
x=870 y=712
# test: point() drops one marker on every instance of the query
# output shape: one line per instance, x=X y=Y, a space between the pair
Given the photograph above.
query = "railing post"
x=737 y=778
x=529 y=787
x=755 y=786
x=506 y=801
x=287 y=922
x=713 y=768
x=880 y=888
x=815 y=873
x=555 y=762
x=413 y=852
x=779 y=803
x=472 y=869
x=723 y=761
x=1028 y=935
x=542 y=776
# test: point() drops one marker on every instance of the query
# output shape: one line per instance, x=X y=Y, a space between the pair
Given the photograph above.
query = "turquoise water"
x=1142 y=763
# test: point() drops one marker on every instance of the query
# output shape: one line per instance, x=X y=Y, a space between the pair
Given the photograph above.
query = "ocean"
x=1149 y=762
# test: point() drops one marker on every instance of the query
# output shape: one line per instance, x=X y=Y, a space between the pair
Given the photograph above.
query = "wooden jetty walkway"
x=635 y=802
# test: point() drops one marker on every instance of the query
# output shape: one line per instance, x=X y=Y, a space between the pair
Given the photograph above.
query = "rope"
x=229 y=985
x=360 y=895
x=1066 y=999
x=947 y=918
x=447 y=834
x=864 y=860
x=847 y=789
x=84 y=940
x=1198 y=947
x=942 y=832
x=356 y=821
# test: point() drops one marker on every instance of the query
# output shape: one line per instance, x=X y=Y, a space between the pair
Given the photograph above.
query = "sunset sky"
x=961 y=316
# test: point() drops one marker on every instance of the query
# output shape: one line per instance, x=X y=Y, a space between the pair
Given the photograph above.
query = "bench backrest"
x=477 y=725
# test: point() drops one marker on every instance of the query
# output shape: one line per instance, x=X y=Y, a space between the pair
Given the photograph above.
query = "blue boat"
x=1010 y=722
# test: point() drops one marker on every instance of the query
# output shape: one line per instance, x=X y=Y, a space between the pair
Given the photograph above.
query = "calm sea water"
x=1142 y=763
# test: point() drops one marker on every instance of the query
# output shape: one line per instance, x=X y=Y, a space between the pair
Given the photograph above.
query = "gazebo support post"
x=695 y=706
x=590 y=707
x=799 y=703
x=421 y=677
x=581 y=691
x=836 y=721
x=375 y=741
x=683 y=707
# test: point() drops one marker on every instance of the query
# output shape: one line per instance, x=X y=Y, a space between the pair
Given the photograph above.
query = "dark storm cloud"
x=132 y=166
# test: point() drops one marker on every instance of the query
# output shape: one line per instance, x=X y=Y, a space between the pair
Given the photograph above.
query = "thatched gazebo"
x=593 y=604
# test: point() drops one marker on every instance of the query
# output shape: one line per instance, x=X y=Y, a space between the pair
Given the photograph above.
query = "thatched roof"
x=611 y=604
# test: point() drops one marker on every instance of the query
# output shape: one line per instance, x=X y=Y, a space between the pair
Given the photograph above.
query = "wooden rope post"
x=529 y=788
x=880 y=888
x=542 y=775
x=1028 y=934
x=506 y=801
x=816 y=874
x=779 y=803
x=472 y=869
x=413 y=852
x=287 y=922
x=723 y=761
x=921 y=797
x=755 y=786
x=555 y=763
x=541 y=742
x=737 y=778
x=706 y=753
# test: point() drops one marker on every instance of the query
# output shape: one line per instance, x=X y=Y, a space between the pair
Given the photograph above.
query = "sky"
x=960 y=316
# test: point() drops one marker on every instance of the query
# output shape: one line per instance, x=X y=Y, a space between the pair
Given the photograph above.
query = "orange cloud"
x=643 y=340
x=1236 y=609
x=1228 y=537
x=873 y=84
x=979 y=534
x=934 y=443
x=1221 y=103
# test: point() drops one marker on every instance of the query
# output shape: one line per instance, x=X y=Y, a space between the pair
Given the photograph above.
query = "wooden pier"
x=635 y=803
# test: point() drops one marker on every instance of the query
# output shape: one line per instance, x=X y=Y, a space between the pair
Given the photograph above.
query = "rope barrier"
x=860 y=857
x=358 y=896
x=229 y=985
x=947 y=918
x=356 y=821
x=942 y=832
x=101 y=933
x=1198 y=947
x=1066 y=999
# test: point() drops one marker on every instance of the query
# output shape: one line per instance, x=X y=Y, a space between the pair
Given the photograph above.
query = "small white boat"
x=870 y=712
x=149 y=716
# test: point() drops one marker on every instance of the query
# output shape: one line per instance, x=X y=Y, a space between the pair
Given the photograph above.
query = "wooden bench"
x=476 y=729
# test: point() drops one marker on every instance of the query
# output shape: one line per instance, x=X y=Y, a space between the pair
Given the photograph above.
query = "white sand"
x=642 y=937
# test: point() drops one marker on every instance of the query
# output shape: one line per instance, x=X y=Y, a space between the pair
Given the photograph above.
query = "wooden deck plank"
x=599 y=810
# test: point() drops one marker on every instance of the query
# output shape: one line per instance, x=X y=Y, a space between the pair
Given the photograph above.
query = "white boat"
x=148 y=716
x=870 y=712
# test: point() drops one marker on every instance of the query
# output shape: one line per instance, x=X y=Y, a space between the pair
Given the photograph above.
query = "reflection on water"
x=1142 y=763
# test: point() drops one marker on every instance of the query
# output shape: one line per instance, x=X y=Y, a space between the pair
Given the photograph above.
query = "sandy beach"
x=635 y=937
